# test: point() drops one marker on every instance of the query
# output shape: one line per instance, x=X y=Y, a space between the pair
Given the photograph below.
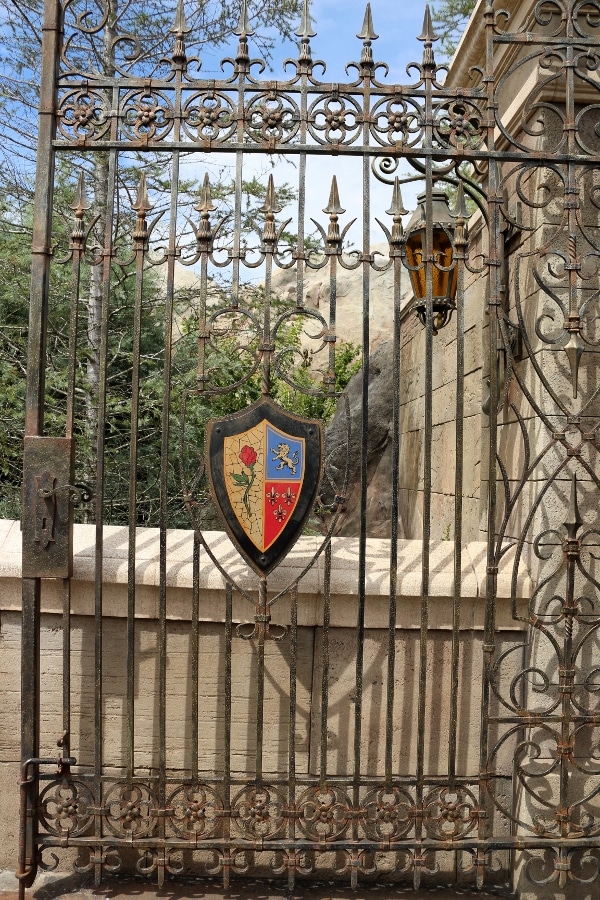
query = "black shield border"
x=296 y=426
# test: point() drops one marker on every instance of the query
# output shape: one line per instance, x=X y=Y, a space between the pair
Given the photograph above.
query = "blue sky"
x=337 y=23
x=397 y=24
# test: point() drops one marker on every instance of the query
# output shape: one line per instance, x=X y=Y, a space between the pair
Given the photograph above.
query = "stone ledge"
x=344 y=577
x=52 y=885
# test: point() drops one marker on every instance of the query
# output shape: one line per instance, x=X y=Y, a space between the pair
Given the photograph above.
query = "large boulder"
x=339 y=445
x=349 y=297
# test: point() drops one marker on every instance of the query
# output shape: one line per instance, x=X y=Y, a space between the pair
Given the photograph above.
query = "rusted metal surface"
x=47 y=495
x=352 y=822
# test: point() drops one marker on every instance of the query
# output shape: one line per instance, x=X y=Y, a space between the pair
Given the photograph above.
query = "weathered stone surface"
x=437 y=728
x=342 y=693
x=349 y=298
x=179 y=575
x=345 y=445
x=412 y=414
x=342 y=681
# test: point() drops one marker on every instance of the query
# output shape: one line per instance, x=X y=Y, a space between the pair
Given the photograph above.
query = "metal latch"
x=48 y=467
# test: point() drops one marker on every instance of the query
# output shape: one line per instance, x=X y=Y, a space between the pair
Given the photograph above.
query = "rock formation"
x=379 y=447
x=349 y=298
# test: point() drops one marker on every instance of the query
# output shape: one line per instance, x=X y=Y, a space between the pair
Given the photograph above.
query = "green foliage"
x=348 y=360
x=233 y=348
x=14 y=292
x=210 y=22
x=230 y=354
x=15 y=257
x=450 y=18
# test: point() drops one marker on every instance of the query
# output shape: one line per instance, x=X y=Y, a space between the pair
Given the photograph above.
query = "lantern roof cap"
x=440 y=211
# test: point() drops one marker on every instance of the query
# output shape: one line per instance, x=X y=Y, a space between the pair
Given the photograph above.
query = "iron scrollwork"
x=547 y=685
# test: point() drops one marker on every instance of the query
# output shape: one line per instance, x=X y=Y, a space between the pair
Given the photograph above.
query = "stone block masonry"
x=342 y=647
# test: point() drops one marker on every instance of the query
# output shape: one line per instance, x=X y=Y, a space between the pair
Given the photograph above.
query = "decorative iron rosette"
x=195 y=811
x=397 y=120
x=130 y=810
x=272 y=117
x=387 y=814
x=450 y=812
x=459 y=124
x=83 y=115
x=335 y=119
x=66 y=808
x=257 y=812
x=146 y=115
x=209 y=116
x=324 y=813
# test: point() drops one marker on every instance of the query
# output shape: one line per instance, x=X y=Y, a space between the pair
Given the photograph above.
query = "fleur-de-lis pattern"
x=533 y=174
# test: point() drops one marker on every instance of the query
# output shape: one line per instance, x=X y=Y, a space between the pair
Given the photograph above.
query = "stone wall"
x=546 y=436
x=412 y=399
x=411 y=389
x=342 y=654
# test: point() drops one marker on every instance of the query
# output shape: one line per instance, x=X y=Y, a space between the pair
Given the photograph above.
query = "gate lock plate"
x=47 y=505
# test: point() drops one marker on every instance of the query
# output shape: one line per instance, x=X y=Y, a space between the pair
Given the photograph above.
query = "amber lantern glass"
x=443 y=283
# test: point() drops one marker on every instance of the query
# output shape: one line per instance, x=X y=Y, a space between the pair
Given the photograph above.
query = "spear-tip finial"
x=397 y=207
x=333 y=207
x=205 y=204
x=142 y=203
x=305 y=30
x=180 y=25
x=460 y=210
x=397 y=211
x=243 y=28
x=367 y=32
x=270 y=205
x=573 y=522
x=80 y=202
x=142 y=206
x=428 y=34
x=574 y=348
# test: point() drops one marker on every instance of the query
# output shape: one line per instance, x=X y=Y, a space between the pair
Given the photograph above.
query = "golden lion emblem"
x=283 y=455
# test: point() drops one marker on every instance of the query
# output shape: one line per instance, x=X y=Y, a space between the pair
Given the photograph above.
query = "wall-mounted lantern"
x=443 y=273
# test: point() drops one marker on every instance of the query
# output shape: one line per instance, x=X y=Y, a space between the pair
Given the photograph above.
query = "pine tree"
x=210 y=22
x=18 y=88
x=451 y=17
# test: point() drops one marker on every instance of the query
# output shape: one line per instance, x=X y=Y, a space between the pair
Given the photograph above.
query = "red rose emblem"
x=248 y=455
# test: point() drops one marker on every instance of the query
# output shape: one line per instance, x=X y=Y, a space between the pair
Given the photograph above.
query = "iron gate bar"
x=142 y=207
x=392 y=153
x=460 y=253
x=428 y=844
x=428 y=74
x=34 y=425
x=102 y=114
x=395 y=242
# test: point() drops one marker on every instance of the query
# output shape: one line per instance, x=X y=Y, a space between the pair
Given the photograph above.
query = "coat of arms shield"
x=264 y=467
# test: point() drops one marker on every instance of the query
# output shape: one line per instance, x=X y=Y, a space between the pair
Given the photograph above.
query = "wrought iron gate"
x=527 y=806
